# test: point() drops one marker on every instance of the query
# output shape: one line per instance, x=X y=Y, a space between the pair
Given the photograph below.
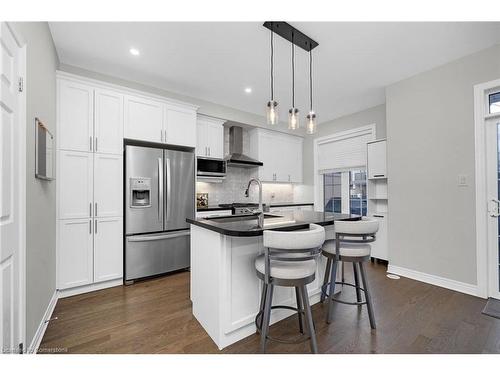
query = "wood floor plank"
x=155 y=316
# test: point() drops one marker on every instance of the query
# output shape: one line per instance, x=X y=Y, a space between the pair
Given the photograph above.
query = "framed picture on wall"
x=44 y=152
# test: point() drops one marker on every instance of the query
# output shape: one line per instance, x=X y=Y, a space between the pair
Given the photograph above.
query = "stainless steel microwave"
x=209 y=167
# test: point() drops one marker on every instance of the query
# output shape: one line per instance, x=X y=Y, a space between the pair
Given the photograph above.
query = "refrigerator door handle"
x=160 y=189
x=181 y=233
x=168 y=189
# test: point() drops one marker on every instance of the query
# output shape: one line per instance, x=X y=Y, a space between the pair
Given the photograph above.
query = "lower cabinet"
x=108 y=249
x=89 y=251
x=380 y=246
x=75 y=255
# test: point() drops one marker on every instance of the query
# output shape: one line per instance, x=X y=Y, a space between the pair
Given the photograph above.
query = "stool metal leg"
x=266 y=317
x=367 y=296
x=325 y=280
x=309 y=319
x=356 y=281
x=262 y=301
x=299 y=308
x=333 y=277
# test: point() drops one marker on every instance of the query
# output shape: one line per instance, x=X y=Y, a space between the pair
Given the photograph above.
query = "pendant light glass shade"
x=311 y=123
x=293 y=119
x=272 y=113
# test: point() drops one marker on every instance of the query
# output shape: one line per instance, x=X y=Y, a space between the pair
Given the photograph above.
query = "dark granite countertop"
x=246 y=225
x=218 y=208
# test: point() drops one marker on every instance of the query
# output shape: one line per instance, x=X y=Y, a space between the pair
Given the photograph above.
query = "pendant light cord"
x=310 y=80
x=293 y=73
x=272 y=64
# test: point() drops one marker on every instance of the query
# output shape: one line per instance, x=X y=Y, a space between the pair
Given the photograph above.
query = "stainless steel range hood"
x=236 y=156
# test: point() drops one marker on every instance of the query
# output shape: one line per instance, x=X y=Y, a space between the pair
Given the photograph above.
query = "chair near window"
x=351 y=244
x=289 y=260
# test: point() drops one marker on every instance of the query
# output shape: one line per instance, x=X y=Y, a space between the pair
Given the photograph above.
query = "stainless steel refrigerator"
x=159 y=196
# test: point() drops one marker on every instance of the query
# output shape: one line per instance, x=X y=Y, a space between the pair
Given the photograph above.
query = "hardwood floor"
x=154 y=316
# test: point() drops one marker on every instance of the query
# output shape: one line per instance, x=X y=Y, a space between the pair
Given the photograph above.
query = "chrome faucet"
x=260 y=211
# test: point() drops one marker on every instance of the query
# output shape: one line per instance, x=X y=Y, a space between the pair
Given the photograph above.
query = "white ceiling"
x=216 y=61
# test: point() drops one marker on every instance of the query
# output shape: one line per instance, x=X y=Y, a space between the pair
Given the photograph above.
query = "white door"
x=75 y=116
x=267 y=155
x=108 y=185
x=180 y=126
x=11 y=188
x=108 y=129
x=108 y=249
x=493 y=179
x=144 y=119
x=215 y=135
x=74 y=253
x=74 y=184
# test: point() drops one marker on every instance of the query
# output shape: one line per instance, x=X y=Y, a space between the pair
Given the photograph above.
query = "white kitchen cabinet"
x=75 y=184
x=108 y=248
x=75 y=256
x=75 y=116
x=377 y=159
x=380 y=245
x=108 y=185
x=280 y=153
x=108 y=125
x=180 y=126
x=210 y=137
x=144 y=119
x=304 y=207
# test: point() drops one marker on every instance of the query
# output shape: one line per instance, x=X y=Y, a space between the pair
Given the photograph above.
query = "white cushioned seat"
x=363 y=226
x=348 y=249
x=287 y=270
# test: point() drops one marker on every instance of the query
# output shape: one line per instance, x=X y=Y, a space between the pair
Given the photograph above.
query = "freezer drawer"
x=153 y=254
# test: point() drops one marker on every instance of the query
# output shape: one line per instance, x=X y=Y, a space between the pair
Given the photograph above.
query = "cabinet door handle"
x=95 y=209
x=90 y=226
x=95 y=226
x=288 y=178
x=90 y=143
x=378 y=175
x=209 y=151
x=95 y=148
x=90 y=209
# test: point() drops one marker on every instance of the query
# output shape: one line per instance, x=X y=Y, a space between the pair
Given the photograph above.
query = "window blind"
x=343 y=153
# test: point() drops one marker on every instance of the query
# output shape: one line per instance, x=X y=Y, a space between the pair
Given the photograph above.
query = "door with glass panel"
x=345 y=192
x=492 y=124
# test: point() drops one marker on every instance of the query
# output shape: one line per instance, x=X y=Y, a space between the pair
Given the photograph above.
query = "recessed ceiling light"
x=248 y=90
x=134 y=51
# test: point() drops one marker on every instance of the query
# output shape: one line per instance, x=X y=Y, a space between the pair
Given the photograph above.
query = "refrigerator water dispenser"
x=140 y=192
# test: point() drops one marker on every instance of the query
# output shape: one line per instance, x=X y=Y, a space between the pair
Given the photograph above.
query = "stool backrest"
x=296 y=246
x=355 y=231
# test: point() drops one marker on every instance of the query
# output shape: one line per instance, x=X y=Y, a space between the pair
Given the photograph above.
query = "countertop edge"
x=274 y=205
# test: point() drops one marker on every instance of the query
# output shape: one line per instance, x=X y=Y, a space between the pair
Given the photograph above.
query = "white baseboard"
x=434 y=280
x=63 y=293
x=37 y=338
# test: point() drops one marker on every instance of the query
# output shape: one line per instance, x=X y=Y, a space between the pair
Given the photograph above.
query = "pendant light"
x=293 y=113
x=311 y=117
x=272 y=110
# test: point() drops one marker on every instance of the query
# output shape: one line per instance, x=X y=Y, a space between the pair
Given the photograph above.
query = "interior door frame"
x=21 y=42
x=481 y=115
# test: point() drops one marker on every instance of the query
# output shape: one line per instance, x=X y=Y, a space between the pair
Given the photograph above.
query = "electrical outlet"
x=272 y=195
x=462 y=180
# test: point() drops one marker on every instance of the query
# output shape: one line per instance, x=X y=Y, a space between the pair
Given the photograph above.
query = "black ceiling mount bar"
x=290 y=33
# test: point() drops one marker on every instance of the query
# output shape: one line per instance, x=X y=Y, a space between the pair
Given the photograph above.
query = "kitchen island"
x=225 y=290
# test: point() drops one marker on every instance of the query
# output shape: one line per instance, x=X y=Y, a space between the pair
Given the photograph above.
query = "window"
x=494 y=102
x=345 y=192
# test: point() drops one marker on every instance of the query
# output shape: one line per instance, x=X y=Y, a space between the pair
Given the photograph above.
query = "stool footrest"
x=277 y=339
x=324 y=288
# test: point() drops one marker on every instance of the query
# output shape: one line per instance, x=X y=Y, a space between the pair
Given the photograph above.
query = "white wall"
x=42 y=62
x=430 y=131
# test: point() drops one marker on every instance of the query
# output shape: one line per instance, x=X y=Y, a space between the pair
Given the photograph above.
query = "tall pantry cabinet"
x=89 y=184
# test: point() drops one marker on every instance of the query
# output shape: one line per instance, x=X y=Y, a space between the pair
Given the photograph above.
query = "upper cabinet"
x=108 y=123
x=210 y=137
x=281 y=154
x=377 y=159
x=89 y=119
x=144 y=119
x=75 y=116
x=180 y=126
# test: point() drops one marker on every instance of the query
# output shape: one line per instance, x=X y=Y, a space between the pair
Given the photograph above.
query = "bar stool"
x=289 y=260
x=351 y=244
